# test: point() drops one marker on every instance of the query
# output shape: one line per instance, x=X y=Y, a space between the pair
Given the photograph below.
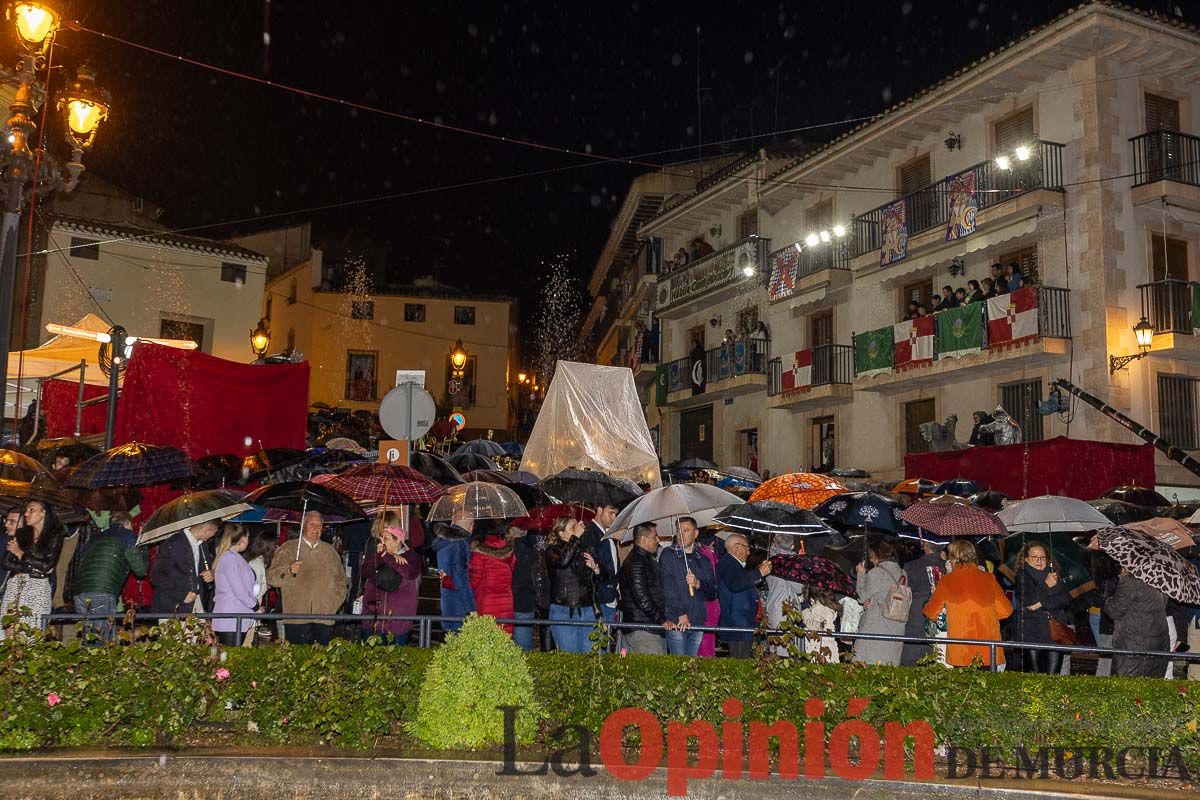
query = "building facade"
x=1070 y=153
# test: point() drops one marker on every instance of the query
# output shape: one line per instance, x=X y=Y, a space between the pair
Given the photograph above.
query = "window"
x=748 y=224
x=362 y=309
x=414 y=312
x=361 y=373
x=917 y=413
x=187 y=330
x=1021 y=400
x=818 y=218
x=460 y=383
x=1162 y=113
x=1015 y=129
x=1177 y=411
x=291 y=298
x=914 y=175
x=1027 y=258
x=920 y=292
x=824 y=445
x=464 y=315
x=747 y=448
x=233 y=273
x=85 y=248
x=1168 y=258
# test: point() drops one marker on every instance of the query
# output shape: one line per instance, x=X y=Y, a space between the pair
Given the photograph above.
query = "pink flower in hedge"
x=222 y=674
x=624 y=652
x=53 y=699
x=1138 y=701
x=253 y=684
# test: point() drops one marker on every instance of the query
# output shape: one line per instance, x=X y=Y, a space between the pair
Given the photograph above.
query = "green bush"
x=475 y=671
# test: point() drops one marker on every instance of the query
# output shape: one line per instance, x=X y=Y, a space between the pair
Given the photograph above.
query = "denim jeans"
x=684 y=643
x=523 y=634
x=101 y=604
x=571 y=638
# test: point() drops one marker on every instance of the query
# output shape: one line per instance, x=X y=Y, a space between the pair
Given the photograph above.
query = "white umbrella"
x=698 y=500
x=1051 y=514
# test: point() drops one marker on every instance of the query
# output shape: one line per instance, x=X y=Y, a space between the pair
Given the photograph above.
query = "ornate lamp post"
x=260 y=339
x=83 y=106
x=1144 y=333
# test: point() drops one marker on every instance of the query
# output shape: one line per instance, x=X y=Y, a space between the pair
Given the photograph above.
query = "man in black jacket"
x=604 y=551
x=181 y=574
x=641 y=593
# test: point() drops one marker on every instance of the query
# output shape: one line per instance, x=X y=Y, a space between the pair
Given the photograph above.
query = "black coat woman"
x=30 y=558
x=1038 y=595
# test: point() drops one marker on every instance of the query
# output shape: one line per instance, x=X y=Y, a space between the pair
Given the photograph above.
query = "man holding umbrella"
x=181 y=574
x=688 y=582
x=311 y=578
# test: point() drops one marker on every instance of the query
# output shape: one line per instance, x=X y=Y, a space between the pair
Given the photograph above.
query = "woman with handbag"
x=875 y=587
x=1040 y=600
x=30 y=558
x=392 y=571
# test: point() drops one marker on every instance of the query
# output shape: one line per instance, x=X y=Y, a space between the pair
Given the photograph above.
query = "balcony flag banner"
x=1013 y=317
x=697 y=371
x=894 y=241
x=660 y=385
x=873 y=352
x=784 y=264
x=1196 y=309
x=964 y=205
x=959 y=331
x=799 y=377
x=914 y=342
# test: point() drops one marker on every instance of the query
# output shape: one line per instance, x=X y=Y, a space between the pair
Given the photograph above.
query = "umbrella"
x=543 y=518
x=731 y=484
x=133 y=464
x=465 y=462
x=478 y=500
x=1051 y=513
x=315 y=462
x=768 y=516
x=1118 y=512
x=1170 y=532
x=918 y=486
x=383 y=483
x=434 y=466
x=514 y=449
x=1151 y=561
x=959 y=487
x=75 y=449
x=699 y=500
x=815 y=572
x=483 y=447
x=343 y=443
x=192 y=509
x=502 y=477
x=16 y=466
x=215 y=471
x=588 y=487
x=257 y=465
x=801 y=489
x=305 y=496
x=14 y=494
x=1182 y=511
x=693 y=463
x=110 y=498
x=863 y=510
x=849 y=473
x=742 y=474
x=1138 y=495
x=991 y=500
x=953 y=519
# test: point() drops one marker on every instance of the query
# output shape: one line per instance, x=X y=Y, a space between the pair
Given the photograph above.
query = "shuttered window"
x=1027 y=258
x=818 y=217
x=1169 y=259
x=1015 y=129
x=1177 y=411
x=1021 y=400
x=915 y=175
x=748 y=224
x=1162 y=113
x=920 y=292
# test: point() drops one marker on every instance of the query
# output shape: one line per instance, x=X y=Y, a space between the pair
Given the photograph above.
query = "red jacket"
x=491 y=571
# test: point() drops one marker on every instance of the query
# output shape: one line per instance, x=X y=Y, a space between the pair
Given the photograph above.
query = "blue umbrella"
x=959 y=487
x=864 y=510
x=483 y=447
x=514 y=449
x=730 y=483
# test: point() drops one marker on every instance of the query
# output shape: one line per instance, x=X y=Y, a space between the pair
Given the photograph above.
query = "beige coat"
x=319 y=588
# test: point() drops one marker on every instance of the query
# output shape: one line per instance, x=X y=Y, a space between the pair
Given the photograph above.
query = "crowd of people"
x=697 y=249
x=1005 y=278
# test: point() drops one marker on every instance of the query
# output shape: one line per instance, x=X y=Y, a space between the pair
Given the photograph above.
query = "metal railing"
x=423 y=624
x=746 y=355
x=1167 y=305
x=811 y=260
x=929 y=208
x=725 y=171
x=831 y=364
x=1166 y=155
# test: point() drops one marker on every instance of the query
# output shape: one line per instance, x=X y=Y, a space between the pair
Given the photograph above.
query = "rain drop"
x=676 y=60
x=748 y=57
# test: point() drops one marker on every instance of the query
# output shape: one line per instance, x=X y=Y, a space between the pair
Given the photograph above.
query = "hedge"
x=349 y=695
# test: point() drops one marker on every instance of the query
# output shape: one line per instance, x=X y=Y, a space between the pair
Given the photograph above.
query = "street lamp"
x=521 y=377
x=84 y=106
x=1144 y=333
x=260 y=339
x=458 y=355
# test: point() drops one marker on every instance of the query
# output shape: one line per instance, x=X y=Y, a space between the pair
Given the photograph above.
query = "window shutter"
x=915 y=175
x=1028 y=259
x=1174 y=265
x=1021 y=400
x=1162 y=113
x=748 y=224
x=819 y=217
x=1015 y=129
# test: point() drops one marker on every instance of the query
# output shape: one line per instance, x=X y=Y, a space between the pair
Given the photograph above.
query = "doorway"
x=823 y=453
x=695 y=433
x=917 y=413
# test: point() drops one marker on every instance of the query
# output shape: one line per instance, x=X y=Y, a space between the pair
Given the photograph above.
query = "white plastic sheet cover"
x=592 y=419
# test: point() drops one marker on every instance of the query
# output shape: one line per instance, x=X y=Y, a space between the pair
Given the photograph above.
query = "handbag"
x=386 y=579
x=1060 y=633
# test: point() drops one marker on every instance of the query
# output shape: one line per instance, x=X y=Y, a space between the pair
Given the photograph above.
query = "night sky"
x=618 y=78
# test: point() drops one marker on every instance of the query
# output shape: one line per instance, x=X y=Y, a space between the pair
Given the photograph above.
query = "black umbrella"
x=693 y=463
x=864 y=510
x=133 y=464
x=435 y=467
x=315 y=462
x=770 y=516
x=1138 y=495
x=587 y=487
x=305 y=496
x=1119 y=512
x=849 y=473
x=465 y=462
x=991 y=500
x=483 y=447
x=218 y=471
x=258 y=465
x=46 y=450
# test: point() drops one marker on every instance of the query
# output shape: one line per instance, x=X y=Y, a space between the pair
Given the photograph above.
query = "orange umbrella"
x=801 y=489
x=918 y=486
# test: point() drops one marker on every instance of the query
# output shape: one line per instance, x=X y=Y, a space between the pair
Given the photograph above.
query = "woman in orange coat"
x=974 y=605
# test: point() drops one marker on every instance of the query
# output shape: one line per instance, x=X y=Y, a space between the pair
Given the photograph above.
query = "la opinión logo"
x=855 y=747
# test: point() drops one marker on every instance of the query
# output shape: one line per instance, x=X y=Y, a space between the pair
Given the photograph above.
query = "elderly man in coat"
x=737 y=589
x=310 y=576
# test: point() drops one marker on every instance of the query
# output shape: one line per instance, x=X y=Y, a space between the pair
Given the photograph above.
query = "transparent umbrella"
x=478 y=500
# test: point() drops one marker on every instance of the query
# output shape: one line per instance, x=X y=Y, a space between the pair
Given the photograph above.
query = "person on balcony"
x=974 y=292
x=922 y=311
x=960 y=296
x=700 y=248
x=989 y=289
x=681 y=258
x=948 y=298
x=998 y=279
x=1012 y=273
x=913 y=313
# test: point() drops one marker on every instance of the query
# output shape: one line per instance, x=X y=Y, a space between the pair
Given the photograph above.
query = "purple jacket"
x=401 y=603
x=234 y=581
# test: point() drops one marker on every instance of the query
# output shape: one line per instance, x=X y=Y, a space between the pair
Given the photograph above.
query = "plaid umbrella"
x=1152 y=561
x=383 y=483
x=192 y=509
x=110 y=498
x=465 y=462
x=483 y=447
x=434 y=466
x=478 y=500
x=953 y=519
x=768 y=516
x=1138 y=495
x=588 y=487
x=815 y=572
x=863 y=510
x=133 y=464
x=544 y=517
x=306 y=496
x=959 y=487
x=801 y=489
x=16 y=466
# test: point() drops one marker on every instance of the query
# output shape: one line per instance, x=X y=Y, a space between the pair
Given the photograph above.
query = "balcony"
x=927 y=210
x=800 y=271
x=819 y=376
x=713 y=279
x=1048 y=343
x=1166 y=164
x=1167 y=305
x=734 y=369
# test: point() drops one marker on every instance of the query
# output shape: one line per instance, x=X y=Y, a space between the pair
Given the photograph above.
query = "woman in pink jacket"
x=235 y=586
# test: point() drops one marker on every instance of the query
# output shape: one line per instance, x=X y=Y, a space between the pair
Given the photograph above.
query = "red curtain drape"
x=1070 y=467
x=59 y=399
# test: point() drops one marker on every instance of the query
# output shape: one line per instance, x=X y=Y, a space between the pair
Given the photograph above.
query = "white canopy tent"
x=60 y=356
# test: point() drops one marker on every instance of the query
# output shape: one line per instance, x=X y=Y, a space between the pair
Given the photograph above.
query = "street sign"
x=407 y=412
x=416 y=376
x=459 y=420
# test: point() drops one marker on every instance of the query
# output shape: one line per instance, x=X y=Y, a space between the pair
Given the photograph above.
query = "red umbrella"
x=542 y=518
x=383 y=483
x=953 y=519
